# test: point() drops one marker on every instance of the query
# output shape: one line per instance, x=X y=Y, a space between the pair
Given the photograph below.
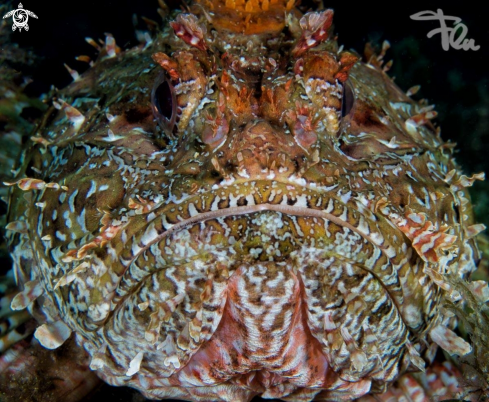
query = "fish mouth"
x=259 y=196
x=213 y=226
x=198 y=281
x=239 y=219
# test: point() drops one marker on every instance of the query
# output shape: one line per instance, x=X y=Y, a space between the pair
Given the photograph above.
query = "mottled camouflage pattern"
x=288 y=236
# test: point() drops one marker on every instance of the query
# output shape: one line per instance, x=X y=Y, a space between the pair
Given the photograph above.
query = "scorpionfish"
x=240 y=207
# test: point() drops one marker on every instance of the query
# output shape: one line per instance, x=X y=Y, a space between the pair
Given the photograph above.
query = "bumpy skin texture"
x=282 y=228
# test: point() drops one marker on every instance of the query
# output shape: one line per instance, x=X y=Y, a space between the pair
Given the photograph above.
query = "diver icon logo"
x=20 y=17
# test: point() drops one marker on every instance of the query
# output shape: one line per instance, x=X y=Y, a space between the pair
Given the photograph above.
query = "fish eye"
x=164 y=104
x=347 y=100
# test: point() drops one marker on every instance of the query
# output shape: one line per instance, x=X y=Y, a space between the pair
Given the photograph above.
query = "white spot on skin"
x=98 y=312
x=149 y=235
x=301 y=201
x=233 y=200
x=92 y=189
x=135 y=364
x=311 y=42
x=214 y=206
x=80 y=219
x=66 y=217
x=135 y=249
x=345 y=197
x=330 y=206
x=255 y=252
x=363 y=226
x=191 y=210
x=166 y=225
x=98 y=359
x=344 y=215
x=412 y=315
x=60 y=236
x=297 y=227
x=250 y=199
x=71 y=201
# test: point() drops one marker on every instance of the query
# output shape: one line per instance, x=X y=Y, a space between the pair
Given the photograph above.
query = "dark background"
x=456 y=81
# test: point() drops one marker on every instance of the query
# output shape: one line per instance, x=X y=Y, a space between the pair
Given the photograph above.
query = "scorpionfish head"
x=240 y=207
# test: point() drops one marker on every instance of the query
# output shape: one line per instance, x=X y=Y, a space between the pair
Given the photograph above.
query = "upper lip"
x=297 y=201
